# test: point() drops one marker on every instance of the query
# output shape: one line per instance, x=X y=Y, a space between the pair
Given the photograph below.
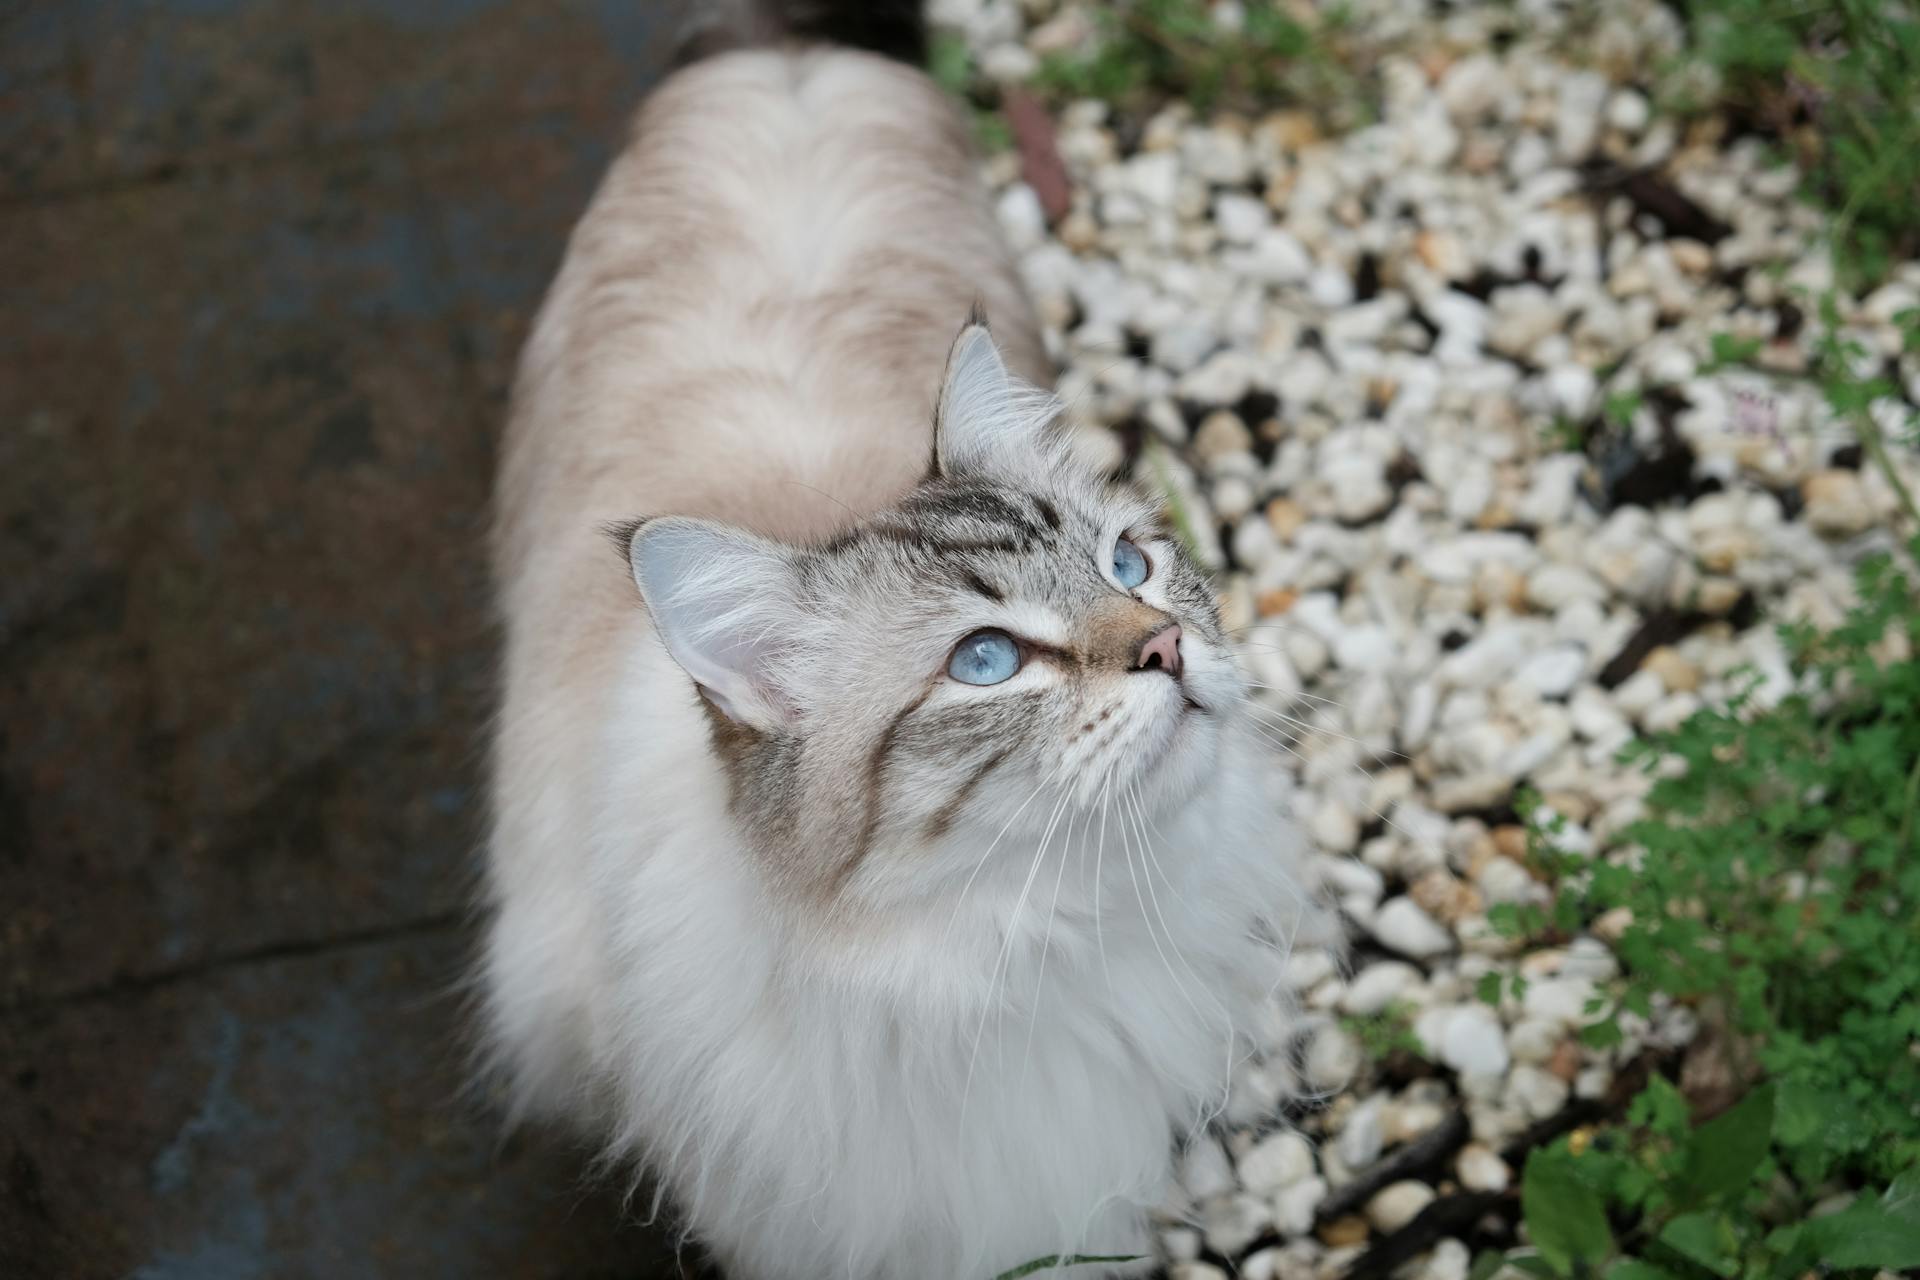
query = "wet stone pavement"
x=265 y=267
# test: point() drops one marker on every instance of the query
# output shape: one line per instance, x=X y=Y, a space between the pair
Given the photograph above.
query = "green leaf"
x=1724 y=1154
x=1564 y=1216
x=1902 y=1199
x=1489 y=1262
x=1488 y=988
x=1605 y=1034
x=1728 y=349
x=1701 y=1238
x=1660 y=1108
x=1883 y=1232
x=949 y=62
x=1633 y=1269
x=1620 y=407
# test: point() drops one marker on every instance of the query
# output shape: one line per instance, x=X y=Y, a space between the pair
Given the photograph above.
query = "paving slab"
x=267 y=266
x=242 y=602
x=105 y=91
x=289 y=1118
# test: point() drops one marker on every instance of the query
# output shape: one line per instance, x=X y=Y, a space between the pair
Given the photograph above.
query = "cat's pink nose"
x=1161 y=652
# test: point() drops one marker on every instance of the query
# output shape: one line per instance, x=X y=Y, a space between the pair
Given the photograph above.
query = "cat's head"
x=1018 y=639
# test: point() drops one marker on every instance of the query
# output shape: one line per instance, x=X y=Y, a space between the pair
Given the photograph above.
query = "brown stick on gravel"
x=1040 y=164
x=1452 y=1215
x=1424 y=1158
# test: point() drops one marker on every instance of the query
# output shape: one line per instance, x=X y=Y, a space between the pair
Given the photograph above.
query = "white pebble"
x=1398 y=1204
x=1400 y=925
x=1471 y=1043
x=1022 y=218
x=1330 y=287
x=1627 y=111
x=1365 y=648
x=1333 y=1059
x=1362 y=1137
x=1195 y=1271
x=1231 y=1223
x=1538 y=1091
x=1576 y=122
x=1379 y=986
x=1448 y=1260
x=1552 y=673
x=1294 y=1205
x=1276 y=1161
x=1561 y=1000
x=1480 y=1169
x=1205 y=1170
x=1240 y=218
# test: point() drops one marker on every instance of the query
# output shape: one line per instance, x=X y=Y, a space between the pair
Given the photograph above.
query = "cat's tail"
x=892 y=28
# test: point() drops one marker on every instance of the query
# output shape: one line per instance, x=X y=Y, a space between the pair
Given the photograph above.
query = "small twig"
x=1876 y=446
x=1448 y=1216
x=1424 y=1154
x=1040 y=165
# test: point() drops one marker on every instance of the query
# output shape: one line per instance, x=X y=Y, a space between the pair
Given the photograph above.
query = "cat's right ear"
x=986 y=419
x=722 y=601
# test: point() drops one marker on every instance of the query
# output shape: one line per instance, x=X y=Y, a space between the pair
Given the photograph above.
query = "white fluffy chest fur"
x=974 y=1089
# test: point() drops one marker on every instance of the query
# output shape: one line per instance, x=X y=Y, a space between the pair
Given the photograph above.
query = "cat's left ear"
x=723 y=603
x=986 y=419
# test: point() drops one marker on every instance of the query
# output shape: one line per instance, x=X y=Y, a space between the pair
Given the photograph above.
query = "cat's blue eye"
x=985 y=657
x=1129 y=564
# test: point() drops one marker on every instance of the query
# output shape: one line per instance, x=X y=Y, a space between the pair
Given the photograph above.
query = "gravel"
x=1351 y=359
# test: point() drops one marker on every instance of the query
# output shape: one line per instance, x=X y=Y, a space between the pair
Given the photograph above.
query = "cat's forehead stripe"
x=981 y=587
x=978 y=505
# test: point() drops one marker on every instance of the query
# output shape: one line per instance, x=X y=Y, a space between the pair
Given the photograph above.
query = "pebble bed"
x=1350 y=360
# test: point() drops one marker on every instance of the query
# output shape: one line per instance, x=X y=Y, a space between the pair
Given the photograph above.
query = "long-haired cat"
x=881 y=854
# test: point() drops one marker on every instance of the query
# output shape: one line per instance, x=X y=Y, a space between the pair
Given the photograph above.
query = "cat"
x=881 y=853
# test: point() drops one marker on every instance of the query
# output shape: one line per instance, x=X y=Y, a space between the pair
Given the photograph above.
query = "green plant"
x=951 y=65
x=1773 y=888
x=1703 y=1204
x=1385 y=1033
x=1839 y=82
x=1619 y=408
x=1175 y=48
x=1564 y=435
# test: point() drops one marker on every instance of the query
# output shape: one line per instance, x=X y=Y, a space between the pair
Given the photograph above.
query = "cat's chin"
x=1181 y=763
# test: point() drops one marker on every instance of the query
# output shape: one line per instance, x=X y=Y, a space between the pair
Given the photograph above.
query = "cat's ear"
x=986 y=418
x=723 y=603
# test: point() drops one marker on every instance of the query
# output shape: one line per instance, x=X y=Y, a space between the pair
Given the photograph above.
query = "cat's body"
x=884 y=973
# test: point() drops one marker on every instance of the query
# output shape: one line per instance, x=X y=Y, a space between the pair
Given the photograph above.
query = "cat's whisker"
x=1275 y=738
x=1423 y=845
x=1006 y=952
x=1099 y=855
x=1239 y=634
x=1300 y=694
x=1130 y=808
x=1307 y=726
x=993 y=844
x=1150 y=830
x=823 y=493
x=1046 y=942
